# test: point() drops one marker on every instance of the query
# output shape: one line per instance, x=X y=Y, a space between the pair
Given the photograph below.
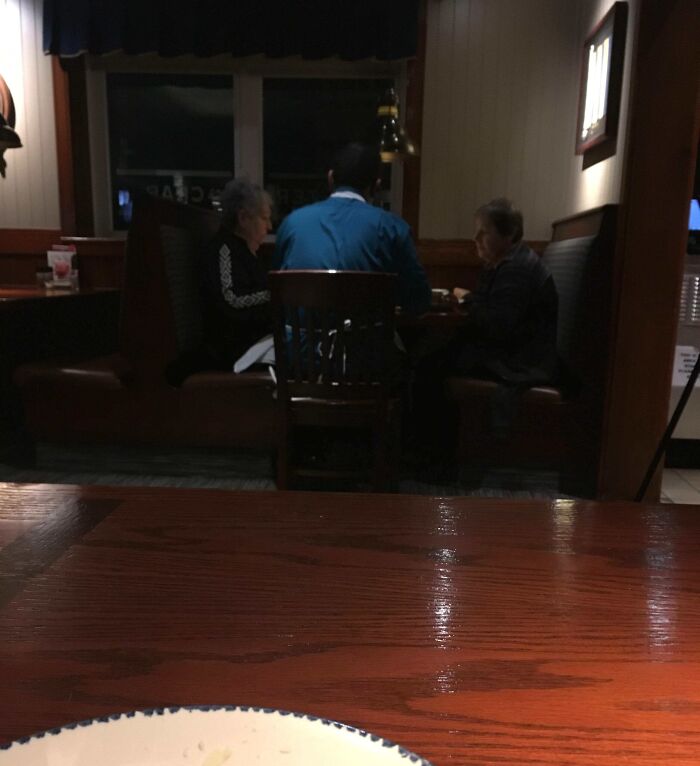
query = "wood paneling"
x=453 y=262
x=653 y=237
x=29 y=193
x=101 y=261
x=22 y=252
x=27 y=240
x=64 y=143
x=415 y=72
x=448 y=263
x=500 y=107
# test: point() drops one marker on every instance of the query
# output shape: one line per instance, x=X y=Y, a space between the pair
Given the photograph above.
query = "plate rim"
x=174 y=709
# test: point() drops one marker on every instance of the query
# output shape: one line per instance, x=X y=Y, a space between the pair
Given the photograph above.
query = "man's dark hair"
x=357 y=166
x=506 y=218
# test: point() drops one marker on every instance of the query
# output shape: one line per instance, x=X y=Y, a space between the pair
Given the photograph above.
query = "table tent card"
x=61 y=262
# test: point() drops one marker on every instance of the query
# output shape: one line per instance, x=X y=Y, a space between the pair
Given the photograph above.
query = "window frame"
x=247 y=79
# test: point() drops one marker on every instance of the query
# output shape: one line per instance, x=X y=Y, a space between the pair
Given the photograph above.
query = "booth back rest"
x=182 y=267
x=581 y=257
x=159 y=300
x=568 y=262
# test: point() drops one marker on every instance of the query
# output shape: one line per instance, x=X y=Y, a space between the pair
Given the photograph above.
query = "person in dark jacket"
x=511 y=328
x=236 y=297
x=509 y=334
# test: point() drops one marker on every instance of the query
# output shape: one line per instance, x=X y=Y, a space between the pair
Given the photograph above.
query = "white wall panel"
x=501 y=100
x=29 y=193
x=500 y=107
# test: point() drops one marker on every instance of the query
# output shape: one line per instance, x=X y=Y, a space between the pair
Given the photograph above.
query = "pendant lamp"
x=394 y=142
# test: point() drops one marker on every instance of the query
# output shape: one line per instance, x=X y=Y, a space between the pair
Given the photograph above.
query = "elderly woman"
x=236 y=298
x=509 y=332
x=512 y=312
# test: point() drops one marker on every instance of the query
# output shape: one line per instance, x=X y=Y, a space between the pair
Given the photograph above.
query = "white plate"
x=207 y=736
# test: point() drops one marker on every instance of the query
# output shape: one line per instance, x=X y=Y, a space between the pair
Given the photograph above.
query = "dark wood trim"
x=100 y=261
x=453 y=262
x=446 y=251
x=72 y=146
x=108 y=247
x=80 y=135
x=663 y=127
x=455 y=251
x=64 y=146
x=583 y=224
x=20 y=241
x=410 y=206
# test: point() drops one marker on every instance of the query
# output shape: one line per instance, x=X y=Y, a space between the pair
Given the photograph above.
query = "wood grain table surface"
x=471 y=631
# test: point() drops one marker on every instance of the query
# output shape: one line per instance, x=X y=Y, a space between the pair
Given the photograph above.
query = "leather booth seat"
x=129 y=397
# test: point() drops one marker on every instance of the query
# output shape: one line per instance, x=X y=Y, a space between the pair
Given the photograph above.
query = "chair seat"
x=463 y=388
x=347 y=413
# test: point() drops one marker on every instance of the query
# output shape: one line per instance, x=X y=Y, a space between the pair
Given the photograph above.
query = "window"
x=182 y=128
x=169 y=135
x=305 y=121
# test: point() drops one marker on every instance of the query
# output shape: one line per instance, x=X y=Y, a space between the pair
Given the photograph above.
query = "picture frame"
x=602 y=64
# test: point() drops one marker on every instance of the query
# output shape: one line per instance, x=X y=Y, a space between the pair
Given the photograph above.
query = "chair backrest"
x=334 y=333
x=161 y=311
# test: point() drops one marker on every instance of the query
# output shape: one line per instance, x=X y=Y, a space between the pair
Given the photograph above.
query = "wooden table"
x=444 y=317
x=471 y=631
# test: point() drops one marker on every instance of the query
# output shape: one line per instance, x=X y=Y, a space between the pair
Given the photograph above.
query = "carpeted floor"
x=239 y=470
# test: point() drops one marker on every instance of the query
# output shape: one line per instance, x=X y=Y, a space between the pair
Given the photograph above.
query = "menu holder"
x=60 y=261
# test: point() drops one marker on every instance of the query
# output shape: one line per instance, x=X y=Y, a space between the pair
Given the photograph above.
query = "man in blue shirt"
x=346 y=233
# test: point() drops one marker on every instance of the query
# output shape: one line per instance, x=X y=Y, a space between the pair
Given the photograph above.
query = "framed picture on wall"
x=601 y=81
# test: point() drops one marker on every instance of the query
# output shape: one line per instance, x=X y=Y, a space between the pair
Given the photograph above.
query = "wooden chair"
x=335 y=360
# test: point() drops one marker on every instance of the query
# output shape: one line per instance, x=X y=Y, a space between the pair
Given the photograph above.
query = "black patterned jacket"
x=236 y=298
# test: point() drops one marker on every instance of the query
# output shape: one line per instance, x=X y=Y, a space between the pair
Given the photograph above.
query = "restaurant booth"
x=146 y=624
x=457 y=120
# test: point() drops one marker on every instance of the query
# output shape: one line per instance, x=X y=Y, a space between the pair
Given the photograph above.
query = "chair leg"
x=283 y=453
x=386 y=435
x=379 y=468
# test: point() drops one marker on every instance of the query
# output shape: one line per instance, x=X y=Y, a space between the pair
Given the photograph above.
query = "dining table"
x=469 y=630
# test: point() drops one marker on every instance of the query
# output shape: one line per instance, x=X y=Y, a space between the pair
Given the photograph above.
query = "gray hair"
x=241 y=194
x=506 y=218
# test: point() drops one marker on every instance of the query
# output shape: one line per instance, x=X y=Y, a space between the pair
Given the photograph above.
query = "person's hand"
x=460 y=293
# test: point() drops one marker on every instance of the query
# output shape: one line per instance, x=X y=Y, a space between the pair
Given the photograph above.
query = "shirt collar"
x=514 y=250
x=345 y=193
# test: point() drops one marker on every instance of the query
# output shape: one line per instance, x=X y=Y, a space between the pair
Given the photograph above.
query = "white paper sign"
x=60 y=262
x=683 y=364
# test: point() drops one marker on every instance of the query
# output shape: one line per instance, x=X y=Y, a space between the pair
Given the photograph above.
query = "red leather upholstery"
x=536 y=436
x=125 y=398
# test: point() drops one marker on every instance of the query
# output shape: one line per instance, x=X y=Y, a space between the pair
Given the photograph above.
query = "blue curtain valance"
x=313 y=29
